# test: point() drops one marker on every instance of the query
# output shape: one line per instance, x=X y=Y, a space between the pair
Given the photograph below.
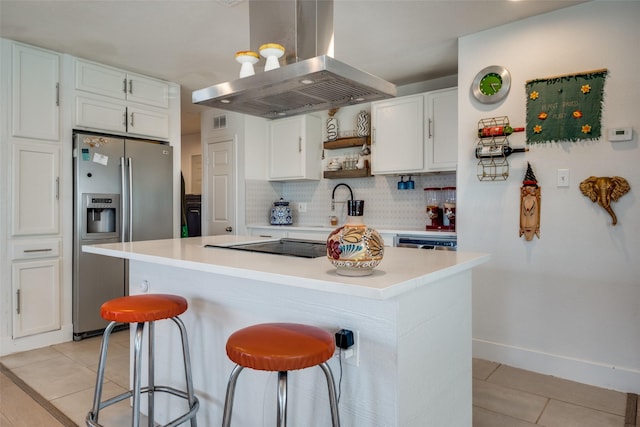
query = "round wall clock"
x=491 y=84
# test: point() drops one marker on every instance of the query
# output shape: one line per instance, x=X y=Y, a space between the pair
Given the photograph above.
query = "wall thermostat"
x=620 y=134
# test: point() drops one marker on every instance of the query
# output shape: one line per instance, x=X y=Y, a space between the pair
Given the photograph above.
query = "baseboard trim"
x=587 y=372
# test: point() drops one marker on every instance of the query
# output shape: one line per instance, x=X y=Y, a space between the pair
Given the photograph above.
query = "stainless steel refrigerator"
x=123 y=192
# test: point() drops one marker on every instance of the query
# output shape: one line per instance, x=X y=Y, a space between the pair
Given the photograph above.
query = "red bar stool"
x=280 y=347
x=143 y=309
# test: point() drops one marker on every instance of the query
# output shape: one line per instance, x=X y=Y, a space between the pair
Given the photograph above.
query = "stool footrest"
x=156 y=389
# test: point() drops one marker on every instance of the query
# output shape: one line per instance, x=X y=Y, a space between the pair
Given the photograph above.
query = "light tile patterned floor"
x=503 y=396
x=507 y=396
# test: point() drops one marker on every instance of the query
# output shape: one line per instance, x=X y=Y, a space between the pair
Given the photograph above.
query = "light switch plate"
x=563 y=177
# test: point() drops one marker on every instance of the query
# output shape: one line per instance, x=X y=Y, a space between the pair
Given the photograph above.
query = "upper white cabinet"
x=415 y=134
x=295 y=146
x=397 y=143
x=35 y=93
x=442 y=129
x=109 y=99
x=119 y=84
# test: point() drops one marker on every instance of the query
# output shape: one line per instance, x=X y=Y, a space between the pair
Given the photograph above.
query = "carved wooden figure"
x=529 y=205
x=603 y=190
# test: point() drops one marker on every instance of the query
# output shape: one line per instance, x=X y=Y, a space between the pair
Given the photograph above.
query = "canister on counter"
x=434 y=208
x=449 y=217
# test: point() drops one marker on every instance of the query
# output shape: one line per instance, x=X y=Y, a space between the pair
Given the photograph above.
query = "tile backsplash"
x=385 y=205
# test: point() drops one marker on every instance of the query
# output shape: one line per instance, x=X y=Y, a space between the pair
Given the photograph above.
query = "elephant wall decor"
x=604 y=189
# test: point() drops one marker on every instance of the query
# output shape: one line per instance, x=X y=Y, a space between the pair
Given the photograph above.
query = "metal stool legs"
x=282 y=396
x=93 y=416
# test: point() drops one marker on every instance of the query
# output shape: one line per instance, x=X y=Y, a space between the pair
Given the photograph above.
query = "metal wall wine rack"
x=494 y=167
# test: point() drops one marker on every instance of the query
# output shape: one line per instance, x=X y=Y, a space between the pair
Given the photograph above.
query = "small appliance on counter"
x=441 y=208
x=434 y=208
x=281 y=213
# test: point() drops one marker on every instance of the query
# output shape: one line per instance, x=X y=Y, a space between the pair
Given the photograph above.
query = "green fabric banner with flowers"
x=565 y=108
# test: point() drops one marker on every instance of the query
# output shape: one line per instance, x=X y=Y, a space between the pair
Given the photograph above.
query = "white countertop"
x=401 y=270
x=328 y=229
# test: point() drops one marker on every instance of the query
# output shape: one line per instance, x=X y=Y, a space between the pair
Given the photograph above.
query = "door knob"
x=228 y=229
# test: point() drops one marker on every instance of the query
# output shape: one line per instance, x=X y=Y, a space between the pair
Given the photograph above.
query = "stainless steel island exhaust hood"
x=307 y=83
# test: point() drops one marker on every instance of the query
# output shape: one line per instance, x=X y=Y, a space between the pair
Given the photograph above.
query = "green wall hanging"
x=565 y=108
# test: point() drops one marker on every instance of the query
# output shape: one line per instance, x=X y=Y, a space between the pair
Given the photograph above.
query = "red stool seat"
x=280 y=346
x=143 y=308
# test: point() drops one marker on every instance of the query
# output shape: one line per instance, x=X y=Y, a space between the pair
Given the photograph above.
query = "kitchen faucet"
x=333 y=195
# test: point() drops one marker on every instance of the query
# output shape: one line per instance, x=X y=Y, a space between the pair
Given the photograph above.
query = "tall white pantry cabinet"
x=31 y=143
x=44 y=96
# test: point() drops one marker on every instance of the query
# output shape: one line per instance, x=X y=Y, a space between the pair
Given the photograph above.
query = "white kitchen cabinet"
x=35 y=96
x=110 y=115
x=267 y=232
x=398 y=138
x=295 y=146
x=35 y=188
x=405 y=139
x=36 y=292
x=112 y=100
x=112 y=82
x=442 y=129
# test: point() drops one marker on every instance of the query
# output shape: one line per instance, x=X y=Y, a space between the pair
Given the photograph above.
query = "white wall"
x=566 y=304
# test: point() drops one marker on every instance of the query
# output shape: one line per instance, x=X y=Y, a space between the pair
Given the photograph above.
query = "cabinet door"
x=294 y=148
x=100 y=114
x=442 y=130
x=398 y=140
x=145 y=90
x=145 y=122
x=101 y=80
x=35 y=189
x=35 y=93
x=286 y=145
x=36 y=292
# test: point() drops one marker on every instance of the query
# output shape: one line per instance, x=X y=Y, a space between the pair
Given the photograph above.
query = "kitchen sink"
x=288 y=247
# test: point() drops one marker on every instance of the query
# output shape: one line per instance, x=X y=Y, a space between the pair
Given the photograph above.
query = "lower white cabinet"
x=35 y=284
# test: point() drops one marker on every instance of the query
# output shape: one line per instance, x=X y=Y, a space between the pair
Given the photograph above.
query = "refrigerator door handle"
x=123 y=223
x=130 y=197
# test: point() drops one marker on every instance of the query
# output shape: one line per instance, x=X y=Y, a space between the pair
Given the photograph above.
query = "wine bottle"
x=497 y=151
x=490 y=131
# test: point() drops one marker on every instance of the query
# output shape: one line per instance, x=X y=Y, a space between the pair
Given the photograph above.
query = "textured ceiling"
x=193 y=42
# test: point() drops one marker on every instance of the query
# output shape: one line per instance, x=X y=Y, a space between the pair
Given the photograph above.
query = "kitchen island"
x=411 y=319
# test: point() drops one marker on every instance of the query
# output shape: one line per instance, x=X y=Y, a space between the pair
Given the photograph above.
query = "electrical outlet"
x=353 y=358
x=302 y=207
x=351 y=355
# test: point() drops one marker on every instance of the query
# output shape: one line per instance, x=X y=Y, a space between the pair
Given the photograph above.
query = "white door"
x=221 y=187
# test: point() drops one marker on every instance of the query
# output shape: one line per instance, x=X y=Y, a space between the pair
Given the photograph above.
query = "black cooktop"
x=289 y=247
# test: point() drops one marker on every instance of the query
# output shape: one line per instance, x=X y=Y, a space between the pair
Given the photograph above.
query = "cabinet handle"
x=131 y=120
x=57 y=94
x=124 y=85
x=430 y=131
x=18 y=301
x=57 y=188
x=228 y=229
x=299 y=144
x=26 y=251
x=130 y=85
